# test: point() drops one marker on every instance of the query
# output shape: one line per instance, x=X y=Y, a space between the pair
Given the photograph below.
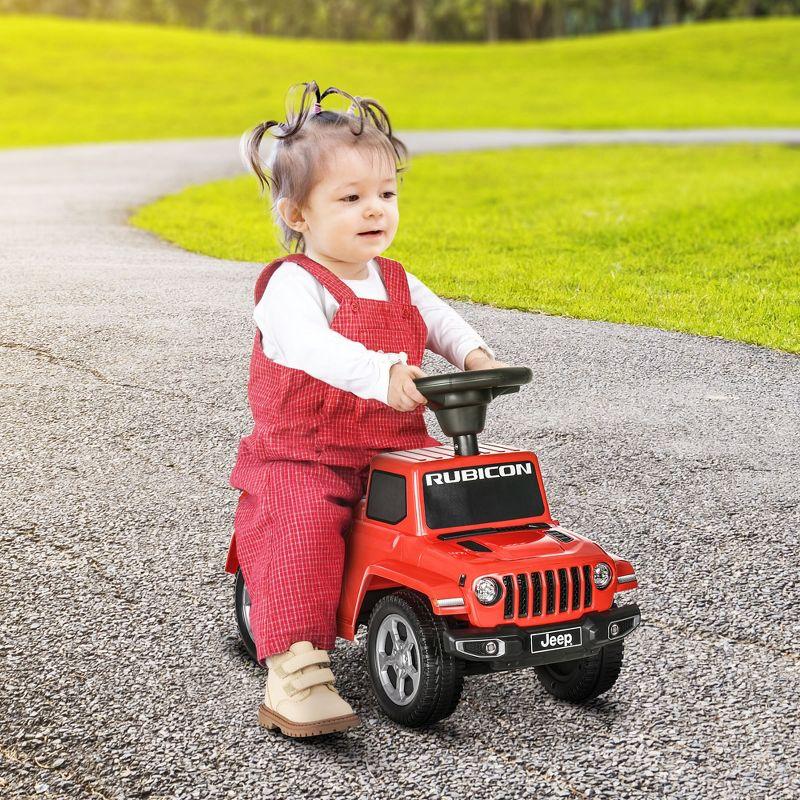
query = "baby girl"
x=341 y=331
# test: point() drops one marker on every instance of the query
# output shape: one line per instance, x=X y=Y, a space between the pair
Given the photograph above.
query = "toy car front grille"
x=587 y=584
x=508 y=607
x=538 y=594
x=550 y=581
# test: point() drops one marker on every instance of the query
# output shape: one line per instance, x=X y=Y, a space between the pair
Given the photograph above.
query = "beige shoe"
x=300 y=698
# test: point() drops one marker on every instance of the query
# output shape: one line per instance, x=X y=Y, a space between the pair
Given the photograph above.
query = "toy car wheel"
x=242 y=606
x=583 y=678
x=415 y=681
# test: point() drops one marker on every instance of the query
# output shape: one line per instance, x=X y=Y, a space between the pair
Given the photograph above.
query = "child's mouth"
x=371 y=234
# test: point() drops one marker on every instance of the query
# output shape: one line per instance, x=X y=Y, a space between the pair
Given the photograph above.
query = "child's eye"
x=353 y=197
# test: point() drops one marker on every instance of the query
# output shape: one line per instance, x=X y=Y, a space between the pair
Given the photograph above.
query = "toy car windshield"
x=475 y=495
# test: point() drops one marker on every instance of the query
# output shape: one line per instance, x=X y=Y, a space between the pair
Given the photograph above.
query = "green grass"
x=65 y=81
x=697 y=239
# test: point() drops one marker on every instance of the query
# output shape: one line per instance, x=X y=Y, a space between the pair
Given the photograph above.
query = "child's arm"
x=296 y=333
x=449 y=334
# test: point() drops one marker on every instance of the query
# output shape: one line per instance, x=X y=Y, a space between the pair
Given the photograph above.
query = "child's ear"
x=291 y=214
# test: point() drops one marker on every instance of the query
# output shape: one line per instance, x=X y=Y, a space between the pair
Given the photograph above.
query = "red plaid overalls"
x=305 y=465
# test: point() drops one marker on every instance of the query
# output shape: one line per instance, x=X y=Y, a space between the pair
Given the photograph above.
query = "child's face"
x=357 y=193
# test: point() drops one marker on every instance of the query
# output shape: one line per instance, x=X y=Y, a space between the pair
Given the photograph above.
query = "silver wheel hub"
x=246 y=611
x=397 y=657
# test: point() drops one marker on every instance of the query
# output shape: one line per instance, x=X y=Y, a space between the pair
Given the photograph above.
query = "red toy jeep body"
x=546 y=572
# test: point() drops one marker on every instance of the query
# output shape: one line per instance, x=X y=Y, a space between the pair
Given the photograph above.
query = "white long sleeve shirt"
x=294 y=317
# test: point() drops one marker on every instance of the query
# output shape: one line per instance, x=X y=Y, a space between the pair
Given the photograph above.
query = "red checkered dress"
x=305 y=465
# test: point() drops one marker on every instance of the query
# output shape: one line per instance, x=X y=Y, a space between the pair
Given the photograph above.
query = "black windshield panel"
x=474 y=495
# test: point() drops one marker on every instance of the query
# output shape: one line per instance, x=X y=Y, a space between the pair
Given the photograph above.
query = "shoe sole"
x=272 y=719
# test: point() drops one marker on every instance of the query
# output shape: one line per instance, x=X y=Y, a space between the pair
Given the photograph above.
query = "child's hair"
x=306 y=138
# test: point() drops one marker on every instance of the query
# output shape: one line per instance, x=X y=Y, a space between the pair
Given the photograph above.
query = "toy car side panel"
x=386 y=574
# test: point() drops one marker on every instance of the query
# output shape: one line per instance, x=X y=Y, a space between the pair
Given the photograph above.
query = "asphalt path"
x=123 y=367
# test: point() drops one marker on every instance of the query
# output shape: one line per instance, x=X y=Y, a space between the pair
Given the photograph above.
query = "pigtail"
x=363 y=108
x=380 y=119
x=354 y=112
x=251 y=143
x=296 y=119
x=249 y=150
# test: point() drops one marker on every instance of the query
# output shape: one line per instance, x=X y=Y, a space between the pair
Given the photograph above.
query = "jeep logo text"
x=562 y=640
x=556 y=640
x=479 y=473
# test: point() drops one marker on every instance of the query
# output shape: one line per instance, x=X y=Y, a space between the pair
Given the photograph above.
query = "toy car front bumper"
x=513 y=646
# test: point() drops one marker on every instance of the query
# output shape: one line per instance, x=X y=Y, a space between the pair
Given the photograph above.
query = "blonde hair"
x=305 y=141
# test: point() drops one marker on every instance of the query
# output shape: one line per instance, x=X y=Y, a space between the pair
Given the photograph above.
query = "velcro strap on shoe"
x=305 y=660
x=298 y=683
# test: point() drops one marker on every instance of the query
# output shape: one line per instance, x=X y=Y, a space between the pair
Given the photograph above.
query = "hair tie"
x=317 y=109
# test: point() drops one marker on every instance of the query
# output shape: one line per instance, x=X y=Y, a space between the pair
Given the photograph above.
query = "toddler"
x=340 y=335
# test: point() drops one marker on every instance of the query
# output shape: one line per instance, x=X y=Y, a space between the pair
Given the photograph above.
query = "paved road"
x=122 y=374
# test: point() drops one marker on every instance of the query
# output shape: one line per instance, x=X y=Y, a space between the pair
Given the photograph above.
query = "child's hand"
x=480 y=359
x=403 y=394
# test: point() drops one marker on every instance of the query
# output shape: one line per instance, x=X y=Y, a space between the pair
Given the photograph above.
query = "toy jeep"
x=456 y=567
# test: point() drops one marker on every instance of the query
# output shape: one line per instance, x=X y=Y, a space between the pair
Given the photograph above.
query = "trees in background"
x=411 y=20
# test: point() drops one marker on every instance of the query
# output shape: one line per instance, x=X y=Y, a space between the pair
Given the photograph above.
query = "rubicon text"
x=479 y=473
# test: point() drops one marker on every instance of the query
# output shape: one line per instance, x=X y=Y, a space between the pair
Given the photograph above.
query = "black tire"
x=440 y=676
x=241 y=602
x=583 y=678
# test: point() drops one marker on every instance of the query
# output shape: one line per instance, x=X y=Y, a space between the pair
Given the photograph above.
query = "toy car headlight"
x=487 y=590
x=602 y=575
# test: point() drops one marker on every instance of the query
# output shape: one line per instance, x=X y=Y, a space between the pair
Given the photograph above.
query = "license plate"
x=556 y=640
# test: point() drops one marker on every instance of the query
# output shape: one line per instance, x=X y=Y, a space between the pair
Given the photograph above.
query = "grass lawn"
x=65 y=81
x=700 y=239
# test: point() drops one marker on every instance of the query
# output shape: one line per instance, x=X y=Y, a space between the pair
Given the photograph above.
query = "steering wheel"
x=459 y=400
x=460 y=389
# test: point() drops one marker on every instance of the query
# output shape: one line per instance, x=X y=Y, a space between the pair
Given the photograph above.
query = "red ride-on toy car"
x=456 y=567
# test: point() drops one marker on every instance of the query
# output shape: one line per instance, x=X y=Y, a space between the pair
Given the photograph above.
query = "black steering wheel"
x=463 y=388
x=459 y=400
